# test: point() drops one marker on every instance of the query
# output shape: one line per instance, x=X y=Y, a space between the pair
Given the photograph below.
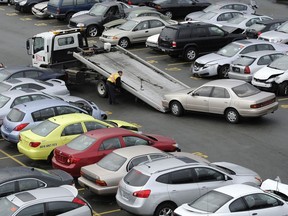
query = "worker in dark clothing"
x=114 y=86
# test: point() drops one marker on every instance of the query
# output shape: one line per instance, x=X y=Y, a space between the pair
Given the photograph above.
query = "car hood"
x=113 y=32
x=194 y=15
x=65 y=177
x=210 y=58
x=239 y=170
x=179 y=93
x=85 y=18
x=114 y=23
x=273 y=185
x=274 y=35
x=41 y=6
x=266 y=72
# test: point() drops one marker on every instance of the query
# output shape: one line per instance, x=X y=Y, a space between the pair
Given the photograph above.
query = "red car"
x=90 y=147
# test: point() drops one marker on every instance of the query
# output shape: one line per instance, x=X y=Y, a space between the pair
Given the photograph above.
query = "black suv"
x=188 y=39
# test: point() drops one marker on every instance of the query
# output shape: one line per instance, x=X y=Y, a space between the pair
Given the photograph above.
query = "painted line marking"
x=139 y=49
x=152 y=61
x=284 y=106
x=3 y=158
x=282 y=99
x=40 y=24
x=173 y=69
x=180 y=63
x=195 y=78
x=200 y=154
x=108 y=112
x=11 y=157
x=2 y=9
x=25 y=19
x=111 y=211
x=159 y=56
x=11 y=14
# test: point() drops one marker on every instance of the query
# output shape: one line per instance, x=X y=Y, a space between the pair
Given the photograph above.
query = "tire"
x=223 y=71
x=176 y=108
x=165 y=209
x=68 y=16
x=168 y=14
x=101 y=89
x=190 y=54
x=92 y=31
x=49 y=159
x=124 y=43
x=283 y=89
x=232 y=116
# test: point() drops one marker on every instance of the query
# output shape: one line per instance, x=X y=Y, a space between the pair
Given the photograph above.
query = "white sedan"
x=55 y=87
x=235 y=200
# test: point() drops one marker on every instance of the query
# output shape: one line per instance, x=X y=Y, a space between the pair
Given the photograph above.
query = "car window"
x=7 y=207
x=245 y=90
x=35 y=86
x=108 y=144
x=274 y=26
x=224 y=17
x=264 y=60
x=7 y=188
x=198 y=32
x=32 y=74
x=184 y=33
x=155 y=23
x=38 y=97
x=35 y=210
x=265 y=47
x=252 y=21
x=244 y=61
x=238 y=206
x=43 y=114
x=276 y=56
x=72 y=129
x=56 y=208
x=204 y=91
x=78 y=2
x=61 y=110
x=29 y=184
x=215 y=31
x=219 y=92
x=91 y=125
x=67 y=2
x=240 y=7
x=133 y=140
x=136 y=178
x=15 y=115
x=136 y=161
x=260 y=201
x=17 y=75
x=44 y=128
x=81 y=142
x=21 y=100
x=248 y=49
x=184 y=176
x=142 y=26
x=206 y=174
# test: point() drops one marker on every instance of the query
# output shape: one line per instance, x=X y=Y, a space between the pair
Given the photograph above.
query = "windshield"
x=230 y=50
x=44 y=128
x=236 y=20
x=211 y=7
x=280 y=63
x=7 y=207
x=38 y=44
x=127 y=26
x=3 y=100
x=81 y=142
x=245 y=90
x=98 y=10
x=210 y=202
x=208 y=15
x=112 y=162
x=4 y=87
x=283 y=28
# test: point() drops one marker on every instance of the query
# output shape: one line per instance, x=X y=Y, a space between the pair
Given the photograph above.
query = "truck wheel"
x=68 y=16
x=190 y=54
x=101 y=89
x=124 y=43
x=168 y=14
x=223 y=71
x=92 y=31
x=176 y=108
x=283 y=89
x=232 y=116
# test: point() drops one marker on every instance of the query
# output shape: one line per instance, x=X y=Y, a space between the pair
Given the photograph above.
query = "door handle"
x=254 y=213
x=146 y=31
x=203 y=188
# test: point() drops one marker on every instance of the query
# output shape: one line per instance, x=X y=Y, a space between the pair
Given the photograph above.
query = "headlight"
x=210 y=65
x=80 y=25
x=270 y=80
x=23 y=2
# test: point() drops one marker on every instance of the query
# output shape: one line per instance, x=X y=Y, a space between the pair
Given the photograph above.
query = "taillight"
x=79 y=201
x=142 y=193
x=247 y=70
x=72 y=160
x=129 y=3
x=20 y=127
x=266 y=103
x=34 y=144
x=158 y=7
x=58 y=11
x=100 y=182
x=174 y=44
x=259 y=33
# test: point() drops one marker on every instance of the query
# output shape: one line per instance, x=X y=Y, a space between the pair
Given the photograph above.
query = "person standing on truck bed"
x=113 y=86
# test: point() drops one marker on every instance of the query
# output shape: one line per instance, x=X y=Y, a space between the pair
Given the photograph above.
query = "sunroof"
x=25 y=196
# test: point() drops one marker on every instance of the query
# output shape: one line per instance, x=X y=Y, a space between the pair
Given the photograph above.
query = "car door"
x=139 y=31
x=155 y=27
x=108 y=145
x=70 y=132
x=134 y=140
x=198 y=100
x=182 y=186
x=219 y=100
x=217 y=38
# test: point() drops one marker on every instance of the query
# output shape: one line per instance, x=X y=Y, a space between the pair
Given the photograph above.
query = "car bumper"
x=106 y=40
x=204 y=72
x=100 y=190
x=12 y=136
x=260 y=111
x=244 y=77
x=71 y=169
x=151 y=45
x=165 y=104
x=34 y=154
x=262 y=85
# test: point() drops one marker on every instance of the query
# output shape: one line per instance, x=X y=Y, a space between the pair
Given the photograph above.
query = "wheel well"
x=174 y=101
x=166 y=202
x=228 y=109
x=125 y=38
x=220 y=66
x=190 y=45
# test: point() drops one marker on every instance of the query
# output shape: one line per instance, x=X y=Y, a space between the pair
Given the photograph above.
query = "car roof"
x=238 y=190
x=267 y=22
x=221 y=3
x=189 y=24
x=250 y=41
x=228 y=83
x=104 y=132
x=18 y=92
x=257 y=54
x=143 y=18
x=219 y=11
x=133 y=151
x=70 y=118
x=14 y=81
x=22 y=198
x=11 y=173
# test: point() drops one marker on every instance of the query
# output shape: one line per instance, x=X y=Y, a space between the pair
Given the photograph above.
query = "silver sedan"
x=229 y=97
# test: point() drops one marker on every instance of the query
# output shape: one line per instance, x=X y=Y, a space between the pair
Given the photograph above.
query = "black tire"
x=223 y=71
x=190 y=53
x=124 y=42
x=232 y=116
x=92 y=31
x=168 y=14
x=165 y=209
x=176 y=108
x=101 y=89
x=283 y=89
x=68 y=16
x=49 y=159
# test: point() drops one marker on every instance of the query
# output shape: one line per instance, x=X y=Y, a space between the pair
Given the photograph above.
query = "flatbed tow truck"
x=69 y=50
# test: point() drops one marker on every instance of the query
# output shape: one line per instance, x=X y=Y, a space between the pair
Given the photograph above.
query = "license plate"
x=235 y=69
x=125 y=195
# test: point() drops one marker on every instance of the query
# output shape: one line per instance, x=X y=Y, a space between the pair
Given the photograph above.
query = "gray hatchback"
x=158 y=187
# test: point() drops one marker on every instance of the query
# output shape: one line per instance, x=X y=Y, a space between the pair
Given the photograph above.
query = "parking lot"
x=258 y=144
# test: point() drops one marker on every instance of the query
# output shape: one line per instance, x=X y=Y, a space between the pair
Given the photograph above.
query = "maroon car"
x=90 y=147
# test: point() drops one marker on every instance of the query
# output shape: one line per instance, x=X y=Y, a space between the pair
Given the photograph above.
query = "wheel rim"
x=224 y=72
x=168 y=14
x=101 y=88
x=166 y=212
x=175 y=109
x=191 y=54
x=93 y=32
x=124 y=43
x=232 y=116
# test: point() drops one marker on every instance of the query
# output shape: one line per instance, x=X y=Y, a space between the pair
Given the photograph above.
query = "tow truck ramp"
x=140 y=78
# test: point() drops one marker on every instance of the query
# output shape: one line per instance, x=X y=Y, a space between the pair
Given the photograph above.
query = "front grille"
x=198 y=65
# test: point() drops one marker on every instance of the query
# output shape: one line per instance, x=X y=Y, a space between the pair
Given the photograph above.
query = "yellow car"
x=39 y=142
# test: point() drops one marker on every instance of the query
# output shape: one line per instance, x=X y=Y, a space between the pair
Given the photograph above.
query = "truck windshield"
x=98 y=10
x=38 y=44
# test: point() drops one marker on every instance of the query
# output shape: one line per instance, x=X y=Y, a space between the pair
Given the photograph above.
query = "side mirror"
x=28 y=44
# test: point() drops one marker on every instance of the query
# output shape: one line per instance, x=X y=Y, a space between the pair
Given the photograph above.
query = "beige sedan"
x=229 y=97
x=104 y=176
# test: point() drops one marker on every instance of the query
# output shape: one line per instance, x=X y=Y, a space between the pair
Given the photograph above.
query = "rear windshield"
x=245 y=90
x=54 y=2
x=7 y=207
x=112 y=162
x=257 y=27
x=15 y=115
x=44 y=128
x=169 y=33
x=4 y=74
x=244 y=61
x=230 y=50
x=3 y=100
x=81 y=142
x=280 y=63
x=236 y=20
x=136 y=178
